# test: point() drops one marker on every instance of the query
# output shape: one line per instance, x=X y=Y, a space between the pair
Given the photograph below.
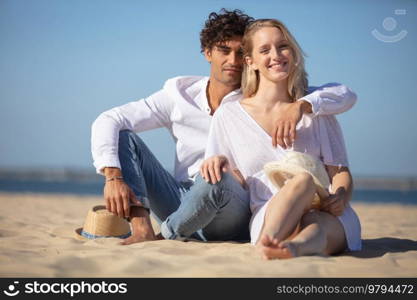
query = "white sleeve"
x=145 y=114
x=330 y=99
x=332 y=145
x=218 y=142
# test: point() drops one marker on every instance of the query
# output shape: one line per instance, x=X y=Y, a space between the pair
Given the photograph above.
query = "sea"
x=94 y=188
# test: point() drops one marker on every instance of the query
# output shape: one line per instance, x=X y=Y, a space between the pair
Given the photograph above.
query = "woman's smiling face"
x=271 y=54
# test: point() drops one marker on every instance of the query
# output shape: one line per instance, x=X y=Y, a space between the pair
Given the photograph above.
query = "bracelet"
x=114 y=178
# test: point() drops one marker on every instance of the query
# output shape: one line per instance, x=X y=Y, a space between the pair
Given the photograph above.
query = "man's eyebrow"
x=223 y=47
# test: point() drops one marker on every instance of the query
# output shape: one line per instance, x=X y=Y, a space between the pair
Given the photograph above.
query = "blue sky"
x=64 y=62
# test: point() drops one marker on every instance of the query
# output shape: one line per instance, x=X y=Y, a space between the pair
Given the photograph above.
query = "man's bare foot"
x=133 y=239
x=142 y=230
x=272 y=249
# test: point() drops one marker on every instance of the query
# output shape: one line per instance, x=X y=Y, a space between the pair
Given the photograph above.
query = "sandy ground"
x=37 y=240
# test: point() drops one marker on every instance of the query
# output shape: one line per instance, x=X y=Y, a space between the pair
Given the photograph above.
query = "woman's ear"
x=250 y=63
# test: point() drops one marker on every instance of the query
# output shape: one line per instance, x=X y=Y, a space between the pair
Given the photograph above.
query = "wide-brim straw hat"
x=294 y=163
x=100 y=223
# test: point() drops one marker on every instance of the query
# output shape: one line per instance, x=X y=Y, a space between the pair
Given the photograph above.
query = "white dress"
x=235 y=134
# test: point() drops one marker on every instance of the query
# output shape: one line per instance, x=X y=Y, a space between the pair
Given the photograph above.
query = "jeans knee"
x=224 y=182
x=126 y=136
x=215 y=192
x=204 y=186
x=130 y=142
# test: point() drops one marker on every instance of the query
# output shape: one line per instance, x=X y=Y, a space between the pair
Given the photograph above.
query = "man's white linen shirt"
x=182 y=107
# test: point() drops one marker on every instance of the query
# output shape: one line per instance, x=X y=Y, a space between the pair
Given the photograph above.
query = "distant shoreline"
x=83 y=175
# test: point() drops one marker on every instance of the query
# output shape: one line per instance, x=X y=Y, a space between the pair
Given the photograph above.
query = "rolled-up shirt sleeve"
x=330 y=99
x=138 y=116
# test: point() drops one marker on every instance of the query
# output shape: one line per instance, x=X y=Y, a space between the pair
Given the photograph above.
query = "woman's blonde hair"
x=297 y=80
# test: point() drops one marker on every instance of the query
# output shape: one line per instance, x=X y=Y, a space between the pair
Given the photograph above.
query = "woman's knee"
x=305 y=178
x=303 y=181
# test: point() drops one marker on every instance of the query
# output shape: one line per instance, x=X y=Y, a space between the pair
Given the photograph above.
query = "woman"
x=283 y=224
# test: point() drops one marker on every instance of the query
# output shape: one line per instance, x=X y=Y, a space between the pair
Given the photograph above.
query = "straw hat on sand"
x=294 y=163
x=101 y=223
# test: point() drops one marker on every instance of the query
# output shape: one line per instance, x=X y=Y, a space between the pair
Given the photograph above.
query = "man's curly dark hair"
x=222 y=26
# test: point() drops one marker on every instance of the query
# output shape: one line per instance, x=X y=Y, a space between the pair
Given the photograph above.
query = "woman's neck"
x=271 y=94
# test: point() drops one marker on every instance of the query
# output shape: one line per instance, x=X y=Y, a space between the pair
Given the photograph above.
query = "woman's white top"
x=235 y=134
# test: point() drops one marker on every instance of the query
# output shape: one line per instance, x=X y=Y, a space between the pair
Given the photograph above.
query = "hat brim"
x=78 y=234
x=278 y=173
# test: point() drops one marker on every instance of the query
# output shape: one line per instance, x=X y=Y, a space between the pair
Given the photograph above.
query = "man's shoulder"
x=185 y=85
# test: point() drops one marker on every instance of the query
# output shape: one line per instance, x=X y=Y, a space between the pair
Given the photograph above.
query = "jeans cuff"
x=166 y=232
x=144 y=201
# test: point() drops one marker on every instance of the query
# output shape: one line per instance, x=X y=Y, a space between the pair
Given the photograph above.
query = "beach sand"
x=37 y=240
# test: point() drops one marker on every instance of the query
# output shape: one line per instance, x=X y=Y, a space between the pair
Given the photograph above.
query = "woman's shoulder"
x=227 y=109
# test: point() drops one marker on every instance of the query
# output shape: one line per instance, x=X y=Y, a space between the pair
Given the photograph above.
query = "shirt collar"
x=233 y=95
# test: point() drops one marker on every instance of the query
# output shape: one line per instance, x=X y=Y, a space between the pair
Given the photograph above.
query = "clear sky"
x=62 y=63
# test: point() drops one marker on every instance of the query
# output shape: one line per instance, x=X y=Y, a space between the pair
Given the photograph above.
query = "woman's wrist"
x=305 y=106
x=343 y=195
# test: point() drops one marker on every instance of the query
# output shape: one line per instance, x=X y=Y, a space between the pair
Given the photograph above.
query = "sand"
x=37 y=240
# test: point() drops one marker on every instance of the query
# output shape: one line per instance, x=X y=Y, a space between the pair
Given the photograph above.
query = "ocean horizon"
x=95 y=188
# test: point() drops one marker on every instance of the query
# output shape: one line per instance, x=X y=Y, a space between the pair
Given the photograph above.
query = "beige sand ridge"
x=37 y=240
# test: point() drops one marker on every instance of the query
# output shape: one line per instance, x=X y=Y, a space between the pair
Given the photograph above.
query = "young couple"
x=237 y=127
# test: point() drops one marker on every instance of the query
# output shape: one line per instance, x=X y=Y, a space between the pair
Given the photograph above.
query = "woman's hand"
x=335 y=204
x=284 y=133
x=212 y=168
x=341 y=193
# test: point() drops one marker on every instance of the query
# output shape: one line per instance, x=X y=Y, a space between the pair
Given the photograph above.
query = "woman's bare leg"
x=286 y=208
x=321 y=234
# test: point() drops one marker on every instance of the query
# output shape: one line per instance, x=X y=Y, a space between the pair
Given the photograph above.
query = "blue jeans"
x=217 y=212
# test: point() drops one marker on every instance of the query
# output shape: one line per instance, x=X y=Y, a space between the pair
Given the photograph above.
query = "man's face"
x=226 y=61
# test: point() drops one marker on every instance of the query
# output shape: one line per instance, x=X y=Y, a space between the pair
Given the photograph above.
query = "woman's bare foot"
x=272 y=249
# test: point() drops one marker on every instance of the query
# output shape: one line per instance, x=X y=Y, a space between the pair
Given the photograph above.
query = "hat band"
x=93 y=236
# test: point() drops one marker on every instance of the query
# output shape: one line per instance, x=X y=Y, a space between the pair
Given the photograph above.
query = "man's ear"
x=207 y=54
x=250 y=63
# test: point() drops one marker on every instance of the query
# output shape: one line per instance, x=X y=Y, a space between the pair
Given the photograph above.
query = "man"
x=137 y=184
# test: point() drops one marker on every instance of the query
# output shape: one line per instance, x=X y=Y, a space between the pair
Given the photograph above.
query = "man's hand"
x=335 y=204
x=212 y=168
x=118 y=195
x=284 y=133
